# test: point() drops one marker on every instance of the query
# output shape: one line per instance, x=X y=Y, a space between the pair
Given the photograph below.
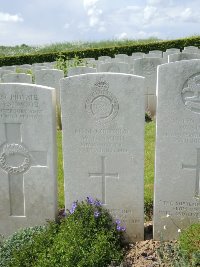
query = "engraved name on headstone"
x=27 y=156
x=103 y=144
x=177 y=168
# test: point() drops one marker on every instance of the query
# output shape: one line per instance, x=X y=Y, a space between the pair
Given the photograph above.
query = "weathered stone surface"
x=80 y=70
x=168 y=52
x=177 y=167
x=27 y=156
x=103 y=144
x=51 y=78
x=118 y=67
x=17 y=78
x=183 y=56
x=147 y=67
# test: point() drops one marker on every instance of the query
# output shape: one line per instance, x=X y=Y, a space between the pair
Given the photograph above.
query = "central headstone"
x=103 y=144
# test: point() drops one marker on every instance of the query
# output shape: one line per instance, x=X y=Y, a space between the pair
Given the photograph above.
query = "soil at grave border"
x=144 y=253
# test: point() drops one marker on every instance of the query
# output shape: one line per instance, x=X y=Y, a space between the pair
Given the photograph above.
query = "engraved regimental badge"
x=191 y=93
x=102 y=105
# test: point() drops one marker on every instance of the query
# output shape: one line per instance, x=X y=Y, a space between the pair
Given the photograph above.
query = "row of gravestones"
x=138 y=64
x=146 y=67
x=103 y=149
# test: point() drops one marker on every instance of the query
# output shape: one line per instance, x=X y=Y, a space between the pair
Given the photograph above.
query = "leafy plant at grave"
x=64 y=64
x=86 y=236
x=148 y=116
x=189 y=243
x=185 y=252
x=16 y=242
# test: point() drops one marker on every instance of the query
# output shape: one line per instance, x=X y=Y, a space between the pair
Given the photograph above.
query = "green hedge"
x=96 y=52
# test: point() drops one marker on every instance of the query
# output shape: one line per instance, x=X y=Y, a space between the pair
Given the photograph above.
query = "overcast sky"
x=49 y=21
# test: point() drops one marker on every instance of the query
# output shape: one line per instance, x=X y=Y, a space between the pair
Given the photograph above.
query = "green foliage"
x=64 y=64
x=189 y=242
x=170 y=255
x=86 y=237
x=185 y=252
x=102 y=51
x=15 y=243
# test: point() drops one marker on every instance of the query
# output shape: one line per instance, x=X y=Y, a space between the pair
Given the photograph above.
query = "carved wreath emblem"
x=13 y=149
x=101 y=104
x=191 y=93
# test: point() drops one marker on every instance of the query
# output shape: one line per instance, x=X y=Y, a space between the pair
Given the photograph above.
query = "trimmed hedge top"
x=96 y=52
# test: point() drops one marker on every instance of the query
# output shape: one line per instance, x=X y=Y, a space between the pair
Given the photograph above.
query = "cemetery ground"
x=144 y=253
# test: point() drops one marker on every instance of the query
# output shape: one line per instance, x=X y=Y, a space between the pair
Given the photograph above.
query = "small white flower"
x=167 y=215
x=179 y=230
x=164 y=227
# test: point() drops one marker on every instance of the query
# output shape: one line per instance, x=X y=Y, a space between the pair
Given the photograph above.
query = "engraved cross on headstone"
x=103 y=175
x=197 y=168
x=16 y=160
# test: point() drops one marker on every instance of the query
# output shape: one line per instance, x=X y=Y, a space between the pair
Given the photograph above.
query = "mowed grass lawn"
x=149 y=165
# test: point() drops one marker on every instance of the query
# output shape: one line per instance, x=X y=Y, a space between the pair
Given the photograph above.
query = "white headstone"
x=11 y=68
x=156 y=52
x=103 y=144
x=50 y=77
x=104 y=58
x=122 y=57
x=80 y=70
x=27 y=156
x=177 y=168
x=114 y=67
x=4 y=72
x=183 y=56
x=147 y=67
x=168 y=52
x=137 y=55
x=191 y=49
x=17 y=78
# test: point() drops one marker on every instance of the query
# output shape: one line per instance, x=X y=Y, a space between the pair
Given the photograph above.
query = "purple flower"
x=121 y=228
x=74 y=205
x=96 y=214
x=90 y=200
x=97 y=203
x=118 y=222
x=118 y=228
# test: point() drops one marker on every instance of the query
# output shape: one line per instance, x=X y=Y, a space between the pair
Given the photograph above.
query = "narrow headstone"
x=103 y=144
x=17 y=78
x=147 y=67
x=51 y=78
x=27 y=156
x=168 y=52
x=177 y=167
